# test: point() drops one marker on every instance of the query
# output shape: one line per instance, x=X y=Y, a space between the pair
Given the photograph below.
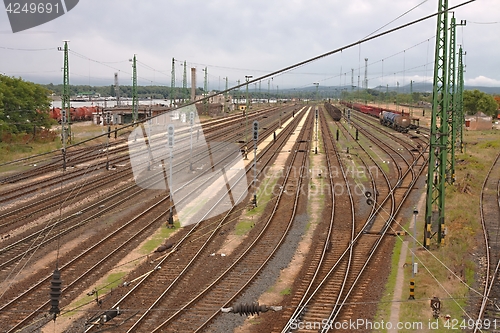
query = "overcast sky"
x=253 y=37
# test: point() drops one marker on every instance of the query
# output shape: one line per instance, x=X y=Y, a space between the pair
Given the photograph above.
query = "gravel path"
x=228 y=322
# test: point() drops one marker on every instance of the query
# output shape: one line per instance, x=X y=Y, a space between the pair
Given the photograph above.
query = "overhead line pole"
x=66 y=125
x=453 y=102
x=450 y=162
x=135 y=100
x=436 y=175
x=172 y=85
x=460 y=100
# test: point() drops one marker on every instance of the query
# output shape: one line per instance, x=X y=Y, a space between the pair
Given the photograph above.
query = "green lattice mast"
x=172 y=85
x=185 y=83
x=453 y=102
x=460 y=101
x=436 y=174
x=66 y=107
x=135 y=100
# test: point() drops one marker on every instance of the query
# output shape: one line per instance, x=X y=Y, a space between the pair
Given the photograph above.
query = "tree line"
x=24 y=105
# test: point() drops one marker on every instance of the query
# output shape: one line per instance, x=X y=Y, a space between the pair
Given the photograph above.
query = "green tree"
x=22 y=105
x=475 y=101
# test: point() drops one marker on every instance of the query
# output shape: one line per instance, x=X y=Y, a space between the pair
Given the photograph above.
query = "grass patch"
x=158 y=238
x=384 y=309
x=286 y=291
x=243 y=227
x=462 y=246
x=264 y=195
x=113 y=280
x=23 y=146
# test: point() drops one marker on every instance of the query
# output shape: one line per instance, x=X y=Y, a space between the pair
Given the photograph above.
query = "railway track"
x=489 y=312
x=92 y=158
x=17 y=299
x=336 y=277
x=174 y=293
x=12 y=218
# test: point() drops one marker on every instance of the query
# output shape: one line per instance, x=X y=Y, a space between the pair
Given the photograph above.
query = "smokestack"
x=193 y=84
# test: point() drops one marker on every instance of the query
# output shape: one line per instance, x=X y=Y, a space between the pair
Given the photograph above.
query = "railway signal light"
x=64 y=119
x=255 y=130
x=171 y=139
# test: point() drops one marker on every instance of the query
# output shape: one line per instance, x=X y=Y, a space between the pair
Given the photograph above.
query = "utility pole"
x=135 y=100
x=172 y=84
x=352 y=84
x=225 y=97
x=411 y=99
x=205 y=88
x=268 y=91
x=460 y=101
x=185 y=83
x=452 y=101
x=397 y=96
x=260 y=96
x=436 y=175
x=366 y=81
x=66 y=107
x=117 y=90
x=247 y=78
x=317 y=87
x=238 y=94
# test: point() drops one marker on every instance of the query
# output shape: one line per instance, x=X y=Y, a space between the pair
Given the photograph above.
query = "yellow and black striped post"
x=412 y=289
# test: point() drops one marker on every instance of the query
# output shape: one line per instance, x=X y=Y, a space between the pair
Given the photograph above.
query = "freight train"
x=333 y=111
x=83 y=113
x=399 y=121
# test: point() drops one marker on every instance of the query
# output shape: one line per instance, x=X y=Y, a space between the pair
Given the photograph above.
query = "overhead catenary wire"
x=37 y=242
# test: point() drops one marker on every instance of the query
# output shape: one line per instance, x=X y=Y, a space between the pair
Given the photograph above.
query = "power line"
x=28 y=50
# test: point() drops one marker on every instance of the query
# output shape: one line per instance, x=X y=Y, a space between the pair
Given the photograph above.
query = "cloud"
x=482 y=81
x=238 y=38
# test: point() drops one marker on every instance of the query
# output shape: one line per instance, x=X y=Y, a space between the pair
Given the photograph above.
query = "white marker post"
x=171 y=141
x=255 y=139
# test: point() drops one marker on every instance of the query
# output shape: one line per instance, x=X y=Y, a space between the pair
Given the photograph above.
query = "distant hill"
x=427 y=87
x=417 y=87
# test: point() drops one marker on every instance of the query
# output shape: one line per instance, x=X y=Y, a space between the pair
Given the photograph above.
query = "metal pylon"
x=66 y=126
x=460 y=101
x=135 y=100
x=172 y=84
x=436 y=174
x=452 y=102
